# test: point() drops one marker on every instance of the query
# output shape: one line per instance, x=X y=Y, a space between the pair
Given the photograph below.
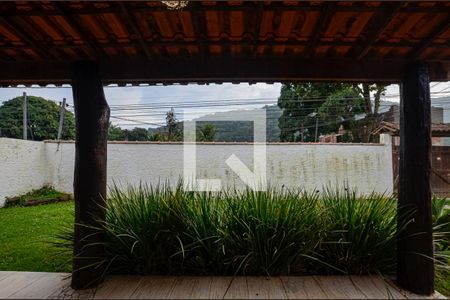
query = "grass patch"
x=443 y=280
x=26 y=236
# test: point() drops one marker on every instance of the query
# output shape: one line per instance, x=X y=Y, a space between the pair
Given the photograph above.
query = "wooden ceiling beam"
x=221 y=69
x=199 y=30
x=380 y=27
x=73 y=24
x=223 y=6
x=257 y=26
x=321 y=26
x=25 y=38
x=445 y=25
x=134 y=27
x=293 y=43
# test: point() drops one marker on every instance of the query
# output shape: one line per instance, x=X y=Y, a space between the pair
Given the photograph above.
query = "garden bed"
x=161 y=231
x=44 y=195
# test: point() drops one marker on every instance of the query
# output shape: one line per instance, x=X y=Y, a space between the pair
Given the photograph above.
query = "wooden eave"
x=222 y=41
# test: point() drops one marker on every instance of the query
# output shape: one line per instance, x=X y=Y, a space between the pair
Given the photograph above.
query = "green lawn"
x=443 y=281
x=26 y=236
x=27 y=233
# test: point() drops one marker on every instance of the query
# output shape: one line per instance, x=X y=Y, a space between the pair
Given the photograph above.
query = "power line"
x=142 y=122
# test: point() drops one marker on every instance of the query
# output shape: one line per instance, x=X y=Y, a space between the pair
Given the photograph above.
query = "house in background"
x=440 y=156
x=439 y=132
x=391 y=125
x=389 y=118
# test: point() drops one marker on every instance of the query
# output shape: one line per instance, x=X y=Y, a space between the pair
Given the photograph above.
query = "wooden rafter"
x=73 y=24
x=270 y=43
x=199 y=31
x=259 y=13
x=445 y=25
x=221 y=6
x=25 y=37
x=225 y=69
x=125 y=38
x=381 y=26
x=321 y=26
x=135 y=29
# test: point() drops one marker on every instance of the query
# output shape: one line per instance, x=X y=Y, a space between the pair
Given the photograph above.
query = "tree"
x=173 y=128
x=334 y=104
x=158 y=137
x=206 y=133
x=137 y=134
x=115 y=133
x=363 y=132
x=43 y=119
x=299 y=102
x=340 y=108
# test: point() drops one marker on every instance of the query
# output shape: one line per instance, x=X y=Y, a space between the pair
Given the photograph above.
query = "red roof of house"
x=437 y=129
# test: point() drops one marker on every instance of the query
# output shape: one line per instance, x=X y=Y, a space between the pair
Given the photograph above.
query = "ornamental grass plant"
x=164 y=229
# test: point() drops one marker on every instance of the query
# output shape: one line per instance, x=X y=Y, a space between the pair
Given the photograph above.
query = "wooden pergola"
x=90 y=44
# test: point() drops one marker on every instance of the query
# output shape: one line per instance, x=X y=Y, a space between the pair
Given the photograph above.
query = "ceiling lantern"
x=175 y=4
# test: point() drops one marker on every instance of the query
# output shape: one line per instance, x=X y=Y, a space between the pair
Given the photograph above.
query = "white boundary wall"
x=23 y=167
x=26 y=165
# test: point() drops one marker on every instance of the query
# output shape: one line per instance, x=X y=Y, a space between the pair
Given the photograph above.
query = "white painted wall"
x=23 y=167
x=311 y=166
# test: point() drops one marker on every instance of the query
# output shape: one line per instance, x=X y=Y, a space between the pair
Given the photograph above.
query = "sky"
x=146 y=106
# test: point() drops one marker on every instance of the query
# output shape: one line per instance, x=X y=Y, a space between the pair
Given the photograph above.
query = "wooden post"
x=92 y=120
x=415 y=266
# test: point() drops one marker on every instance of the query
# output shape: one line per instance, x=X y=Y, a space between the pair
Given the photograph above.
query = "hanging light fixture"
x=175 y=4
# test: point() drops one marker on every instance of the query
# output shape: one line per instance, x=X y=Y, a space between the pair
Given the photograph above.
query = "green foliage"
x=271 y=233
x=136 y=134
x=298 y=102
x=115 y=133
x=161 y=230
x=242 y=131
x=227 y=131
x=157 y=136
x=441 y=222
x=157 y=215
x=42 y=193
x=361 y=232
x=173 y=127
x=442 y=283
x=206 y=133
x=28 y=234
x=43 y=119
x=334 y=104
x=164 y=230
x=339 y=108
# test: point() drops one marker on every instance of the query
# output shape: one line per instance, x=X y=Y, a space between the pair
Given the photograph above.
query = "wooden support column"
x=92 y=120
x=415 y=267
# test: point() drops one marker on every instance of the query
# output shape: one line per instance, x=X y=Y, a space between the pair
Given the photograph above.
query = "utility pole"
x=302 y=134
x=25 y=116
x=62 y=112
x=317 y=127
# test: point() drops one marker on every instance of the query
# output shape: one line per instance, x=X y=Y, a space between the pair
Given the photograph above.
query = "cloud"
x=209 y=98
x=120 y=98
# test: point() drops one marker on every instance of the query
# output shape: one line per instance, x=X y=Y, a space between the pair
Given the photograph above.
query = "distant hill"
x=238 y=131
